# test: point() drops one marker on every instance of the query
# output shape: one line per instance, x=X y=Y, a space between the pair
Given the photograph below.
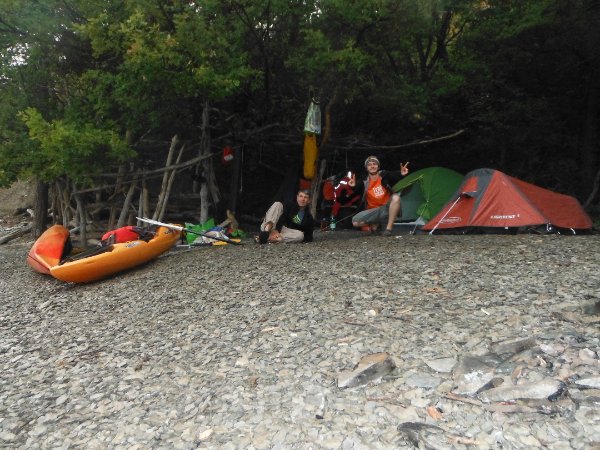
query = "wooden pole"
x=123 y=217
x=203 y=169
x=165 y=179
x=316 y=184
x=163 y=206
x=81 y=220
x=145 y=198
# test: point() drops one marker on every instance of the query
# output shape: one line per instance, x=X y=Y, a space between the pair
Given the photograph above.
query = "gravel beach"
x=490 y=341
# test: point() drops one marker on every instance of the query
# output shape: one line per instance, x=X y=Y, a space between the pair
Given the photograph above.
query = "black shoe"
x=386 y=233
x=263 y=237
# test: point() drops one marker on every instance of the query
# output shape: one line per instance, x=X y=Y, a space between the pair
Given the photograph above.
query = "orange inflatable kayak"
x=115 y=258
x=49 y=249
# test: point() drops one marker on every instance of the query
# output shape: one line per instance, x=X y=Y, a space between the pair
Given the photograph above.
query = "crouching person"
x=288 y=222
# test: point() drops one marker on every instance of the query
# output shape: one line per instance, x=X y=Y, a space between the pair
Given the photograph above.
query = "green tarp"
x=425 y=192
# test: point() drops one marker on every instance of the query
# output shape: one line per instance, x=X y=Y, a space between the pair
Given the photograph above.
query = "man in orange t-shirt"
x=382 y=204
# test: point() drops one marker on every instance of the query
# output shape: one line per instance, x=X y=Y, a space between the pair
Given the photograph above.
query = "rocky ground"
x=477 y=342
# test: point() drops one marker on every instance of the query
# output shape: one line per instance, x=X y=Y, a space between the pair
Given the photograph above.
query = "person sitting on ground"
x=382 y=204
x=288 y=221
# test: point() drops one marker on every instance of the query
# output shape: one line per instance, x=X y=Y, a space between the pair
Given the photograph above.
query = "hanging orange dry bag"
x=311 y=153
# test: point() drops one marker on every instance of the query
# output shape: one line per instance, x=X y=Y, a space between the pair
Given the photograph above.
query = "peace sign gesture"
x=404 y=168
x=352 y=180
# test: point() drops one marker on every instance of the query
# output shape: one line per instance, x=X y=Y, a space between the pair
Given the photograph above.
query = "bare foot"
x=275 y=237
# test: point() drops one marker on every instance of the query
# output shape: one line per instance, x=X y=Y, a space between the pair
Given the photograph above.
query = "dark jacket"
x=388 y=179
x=306 y=226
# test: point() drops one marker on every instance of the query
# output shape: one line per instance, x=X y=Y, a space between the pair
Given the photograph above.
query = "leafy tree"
x=520 y=75
x=71 y=149
x=530 y=68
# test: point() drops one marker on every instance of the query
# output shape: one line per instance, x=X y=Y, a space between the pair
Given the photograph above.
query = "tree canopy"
x=87 y=85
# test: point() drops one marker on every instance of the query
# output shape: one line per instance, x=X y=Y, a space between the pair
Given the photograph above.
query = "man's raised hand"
x=404 y=168
x=352 y=180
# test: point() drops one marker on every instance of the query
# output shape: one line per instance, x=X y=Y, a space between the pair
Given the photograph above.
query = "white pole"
x=447 y=212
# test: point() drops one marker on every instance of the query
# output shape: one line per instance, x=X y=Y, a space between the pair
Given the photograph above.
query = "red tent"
x=490 y=199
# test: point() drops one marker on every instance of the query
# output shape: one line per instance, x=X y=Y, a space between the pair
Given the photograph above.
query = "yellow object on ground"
x=225 y=243
x=311 y=153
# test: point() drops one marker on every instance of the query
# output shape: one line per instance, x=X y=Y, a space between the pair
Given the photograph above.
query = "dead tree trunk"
x=145 y=199
x=205 y=171
x=165 y=180
x=81 y=217
x=112 y=218
x=163 y=206
x=123 y=217
x=63 y=195
x=40 y=208
x=143 y=206
x=315 y=189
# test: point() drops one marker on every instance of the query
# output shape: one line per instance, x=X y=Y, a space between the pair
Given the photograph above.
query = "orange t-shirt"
x=377 y=195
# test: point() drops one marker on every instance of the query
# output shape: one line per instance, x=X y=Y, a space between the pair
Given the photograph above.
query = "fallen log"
x=16 y=233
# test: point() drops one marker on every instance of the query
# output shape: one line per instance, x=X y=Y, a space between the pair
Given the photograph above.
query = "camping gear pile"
x=209 y=233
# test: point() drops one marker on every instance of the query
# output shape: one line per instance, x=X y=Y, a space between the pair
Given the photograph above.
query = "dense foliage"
x=89 y=84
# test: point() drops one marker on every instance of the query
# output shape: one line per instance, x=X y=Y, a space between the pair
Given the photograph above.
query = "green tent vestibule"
x=423 y=193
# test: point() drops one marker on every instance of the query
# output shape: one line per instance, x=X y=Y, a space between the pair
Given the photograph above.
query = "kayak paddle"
x=187 y=230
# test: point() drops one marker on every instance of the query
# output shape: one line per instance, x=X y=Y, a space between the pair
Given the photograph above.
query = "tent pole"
x=447 y=212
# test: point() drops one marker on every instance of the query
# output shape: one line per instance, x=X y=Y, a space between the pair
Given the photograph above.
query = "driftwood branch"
x=165 y=180
x=136 y=176
x=81 y=217
x=145 y=203
x=126 y=203
x=16 y=233
x=410 y=144
x=316 y=185
x=169 y=186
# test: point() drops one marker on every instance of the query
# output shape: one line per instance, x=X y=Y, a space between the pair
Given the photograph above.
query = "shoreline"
x=242 y=347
